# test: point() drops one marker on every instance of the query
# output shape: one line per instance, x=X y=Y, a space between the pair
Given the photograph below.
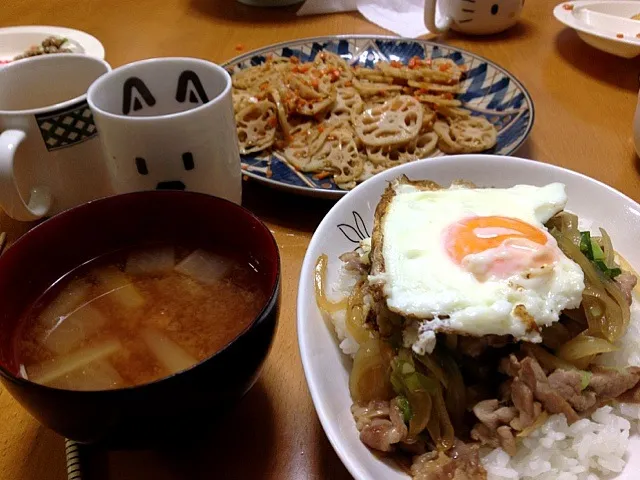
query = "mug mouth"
x=269 y=304
x=53 y=58
x=132 y=67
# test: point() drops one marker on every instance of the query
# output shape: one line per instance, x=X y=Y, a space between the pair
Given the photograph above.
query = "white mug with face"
x=50 y=156
x=475 y=17
x=168 y=123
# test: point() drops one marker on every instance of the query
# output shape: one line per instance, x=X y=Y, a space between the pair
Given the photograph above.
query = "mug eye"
x=141 y=165
x=187 y=161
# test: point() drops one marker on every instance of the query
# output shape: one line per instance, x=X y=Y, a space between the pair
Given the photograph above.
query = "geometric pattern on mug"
x=66 y=127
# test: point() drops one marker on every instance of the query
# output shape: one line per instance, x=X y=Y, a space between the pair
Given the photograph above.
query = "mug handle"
x=10 y=197
x=430 y=20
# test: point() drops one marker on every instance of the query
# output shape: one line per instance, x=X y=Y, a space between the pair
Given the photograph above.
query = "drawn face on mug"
x=484 y=16
x=170 y=172
x=169 y=124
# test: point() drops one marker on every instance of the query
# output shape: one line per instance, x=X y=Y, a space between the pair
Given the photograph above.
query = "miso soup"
x=135 y=316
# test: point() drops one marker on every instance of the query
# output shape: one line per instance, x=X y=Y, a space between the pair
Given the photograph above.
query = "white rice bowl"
x=604 y=446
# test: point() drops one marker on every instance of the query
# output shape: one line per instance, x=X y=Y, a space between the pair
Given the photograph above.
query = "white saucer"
x=16 y=40
x=605 y=25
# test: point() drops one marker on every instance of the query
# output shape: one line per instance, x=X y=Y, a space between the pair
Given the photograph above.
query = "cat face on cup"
x=485 y=16
x=475 y=17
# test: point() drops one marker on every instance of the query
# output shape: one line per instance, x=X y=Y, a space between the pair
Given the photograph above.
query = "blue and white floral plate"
x=487 y=90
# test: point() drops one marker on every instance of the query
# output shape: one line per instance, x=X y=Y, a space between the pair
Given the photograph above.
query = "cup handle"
x=430 y=20
x=10 y=197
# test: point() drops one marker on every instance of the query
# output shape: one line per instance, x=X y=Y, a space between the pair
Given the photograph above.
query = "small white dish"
x=327 y=369
x=16 y=40
x=605 y=25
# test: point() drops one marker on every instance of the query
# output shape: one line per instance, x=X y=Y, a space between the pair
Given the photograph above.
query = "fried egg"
x=474 y=261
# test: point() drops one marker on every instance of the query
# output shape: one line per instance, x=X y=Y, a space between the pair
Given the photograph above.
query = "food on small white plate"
x=348 y=123
x=48 y=46
x=491 y=338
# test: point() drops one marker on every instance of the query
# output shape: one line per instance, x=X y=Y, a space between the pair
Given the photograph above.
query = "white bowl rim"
x=566 y=17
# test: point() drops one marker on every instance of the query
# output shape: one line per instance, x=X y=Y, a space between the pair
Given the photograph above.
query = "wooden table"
x=584 y=102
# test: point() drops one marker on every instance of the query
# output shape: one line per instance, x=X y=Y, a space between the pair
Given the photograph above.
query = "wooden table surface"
x=584 y=102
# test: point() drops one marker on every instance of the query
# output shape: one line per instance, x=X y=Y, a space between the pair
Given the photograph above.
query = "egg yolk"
x=478 y=234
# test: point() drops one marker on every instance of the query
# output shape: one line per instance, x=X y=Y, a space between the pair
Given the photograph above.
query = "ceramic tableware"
x=605 y=25
x=474 y=17
x=16 y=40
x=351 y=220
x=486 y=89
x=167 y=123
x=50 y=156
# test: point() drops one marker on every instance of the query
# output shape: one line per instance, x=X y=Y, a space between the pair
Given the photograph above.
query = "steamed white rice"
x=590 y=449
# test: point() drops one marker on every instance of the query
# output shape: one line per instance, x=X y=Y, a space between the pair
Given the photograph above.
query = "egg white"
x=421 y=281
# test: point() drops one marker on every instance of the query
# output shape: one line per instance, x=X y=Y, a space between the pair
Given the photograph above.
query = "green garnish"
x=405 y=408
x=598 y=254
x=585 y=244
x=586 y=378
x=593 y=251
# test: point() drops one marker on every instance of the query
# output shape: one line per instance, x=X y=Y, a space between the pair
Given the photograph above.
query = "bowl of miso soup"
x=138 y=318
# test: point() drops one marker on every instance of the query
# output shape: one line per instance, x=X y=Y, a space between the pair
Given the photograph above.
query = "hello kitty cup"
x=168 y=124
x=478 y=17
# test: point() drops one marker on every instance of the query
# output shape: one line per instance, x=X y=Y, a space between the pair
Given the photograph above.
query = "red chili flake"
x=245 y=178
x=269 y=173
x=567 y=6
x=396 y=64
x=448 y=96
x=295 y=60
x=334 y=74
x=315 y=83
x=272 y=122
x=240 y=47
x=264 y=85
x=413 y=62
x=320 y=128
x=322 y=175
x=348 y=83
x=444 y=67
x=619 y=35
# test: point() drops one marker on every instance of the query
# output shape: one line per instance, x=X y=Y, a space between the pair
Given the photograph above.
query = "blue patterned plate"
x=487 y=90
